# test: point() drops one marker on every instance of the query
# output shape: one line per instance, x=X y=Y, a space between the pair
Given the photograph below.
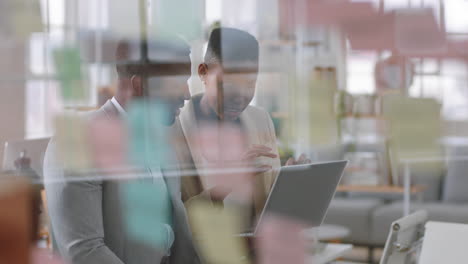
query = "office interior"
x=381 y=84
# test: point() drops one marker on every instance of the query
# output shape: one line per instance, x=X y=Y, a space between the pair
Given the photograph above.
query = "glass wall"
x=157 y=131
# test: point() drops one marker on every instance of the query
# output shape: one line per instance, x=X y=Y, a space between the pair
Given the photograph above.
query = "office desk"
x=407 y=190
x=329 y=254
x=415 y=189
x=328 y=233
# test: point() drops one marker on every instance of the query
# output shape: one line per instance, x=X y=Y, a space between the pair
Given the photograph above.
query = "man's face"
x=232 y=91
x=170 y=91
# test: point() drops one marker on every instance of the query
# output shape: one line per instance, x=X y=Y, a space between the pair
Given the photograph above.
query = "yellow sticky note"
x=72 y=143
x=215 y=231
x=128 y=28
x=414 y=129
x=414 y=125
x=313 y=120
x=23 y=17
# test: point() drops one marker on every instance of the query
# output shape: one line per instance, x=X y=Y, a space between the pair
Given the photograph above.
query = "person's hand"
x=301 y=160
x=252 y=155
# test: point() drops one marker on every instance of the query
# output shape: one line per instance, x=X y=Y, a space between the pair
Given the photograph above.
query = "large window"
x=64 y=22
x=443 y=80
x=42 y=88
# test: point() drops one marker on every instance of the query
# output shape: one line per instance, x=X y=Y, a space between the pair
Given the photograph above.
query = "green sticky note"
x=68 y=68
x=148 y=212
x=168 y=18
x=148 y=137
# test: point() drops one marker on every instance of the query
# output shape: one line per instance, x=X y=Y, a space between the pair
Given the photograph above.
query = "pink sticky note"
x=371 y=33
x=411 y=32
x=44 y=256
x=320 y=12
x=457 y=49
x=221 y=143
x=337 y=12
x=452 y=50
x=108 y=142
x=417 y=33
x=280 y=240
x=221 y=160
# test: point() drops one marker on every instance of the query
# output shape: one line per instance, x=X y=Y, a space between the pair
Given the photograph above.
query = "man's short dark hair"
x=163 y=56
x=232 y=47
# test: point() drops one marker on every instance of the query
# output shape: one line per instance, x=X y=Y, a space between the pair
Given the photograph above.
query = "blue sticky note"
x=148 y=212
x=169 y=19
x=148 y=144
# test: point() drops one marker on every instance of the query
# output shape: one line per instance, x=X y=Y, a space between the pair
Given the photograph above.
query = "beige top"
x=257 y=125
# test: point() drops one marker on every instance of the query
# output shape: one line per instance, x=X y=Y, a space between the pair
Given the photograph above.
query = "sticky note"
x=68 y=69
x=280 y=240
x=20 y=18
x=316 y=106
x=148 y=145
x=148 y=212
x=44 y=256
x=215 y=231
x=337 y=12
x=232 y=168
x=128 y=28
x=414 y=125
x=169 y=19
x=417 y=32
x=108 y=142
x=414 y=128
x=72 y=142
x=371 y=32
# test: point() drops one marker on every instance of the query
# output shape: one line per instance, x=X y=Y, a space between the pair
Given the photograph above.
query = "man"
x=87 y=219
x=229 y=75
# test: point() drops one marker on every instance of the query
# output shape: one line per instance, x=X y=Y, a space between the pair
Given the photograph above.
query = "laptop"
x=303 y=192
x=33 y=149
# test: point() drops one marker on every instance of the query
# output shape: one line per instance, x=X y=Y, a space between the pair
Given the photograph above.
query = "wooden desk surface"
x=380 y=188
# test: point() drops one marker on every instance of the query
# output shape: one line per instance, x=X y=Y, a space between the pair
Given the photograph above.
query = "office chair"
x=405 y=239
